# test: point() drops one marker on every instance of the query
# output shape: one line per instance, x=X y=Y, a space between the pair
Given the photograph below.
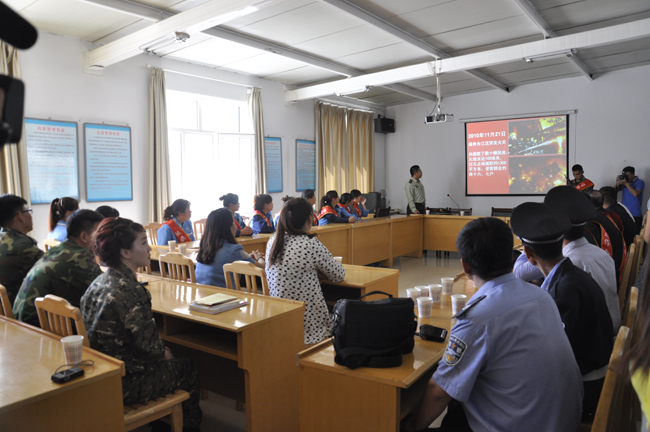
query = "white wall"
x=610 y=131
x=57 y=88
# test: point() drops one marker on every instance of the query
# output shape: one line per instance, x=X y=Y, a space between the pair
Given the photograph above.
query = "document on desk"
x=217 y=308
x=215 y=299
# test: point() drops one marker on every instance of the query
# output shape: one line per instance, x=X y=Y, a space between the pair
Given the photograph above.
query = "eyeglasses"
x=25 y=211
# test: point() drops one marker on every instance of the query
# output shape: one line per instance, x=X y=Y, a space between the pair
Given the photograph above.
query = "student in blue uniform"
x=310 y=196
x=508 y=362
x=177 y=225
x=263 y=218
x=285 y=199
x=218 y=247
x=60 y=211
x=231 y=202
x=328 y=214
x=343 y=208
x=358 y=204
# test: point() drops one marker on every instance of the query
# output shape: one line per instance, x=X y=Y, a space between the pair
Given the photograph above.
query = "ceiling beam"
x=389 y=28
x=192 y=21
x=154 y=14
x=546 y=30
x=592 y=38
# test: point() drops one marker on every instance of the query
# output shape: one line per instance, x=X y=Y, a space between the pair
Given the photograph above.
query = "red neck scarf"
x=181 y=236
x=327 y=210
x=357 y=209
x=263 y=216
x=314 y=218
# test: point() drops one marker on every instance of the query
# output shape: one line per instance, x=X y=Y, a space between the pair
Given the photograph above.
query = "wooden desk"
x=360 y=280
x=245 y=354
x=336 y=238
x=335 y=398
x=382 y=239
x=30 y=401
x=440 y=231
x=250 y=244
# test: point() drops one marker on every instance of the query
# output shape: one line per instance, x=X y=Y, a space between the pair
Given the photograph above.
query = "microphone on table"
x=457 y=206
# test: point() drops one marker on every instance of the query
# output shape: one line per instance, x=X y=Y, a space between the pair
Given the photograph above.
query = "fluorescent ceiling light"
x=352 y=91
x=162 y=42
x=563 y=53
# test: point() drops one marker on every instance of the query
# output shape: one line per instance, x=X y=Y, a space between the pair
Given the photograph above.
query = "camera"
x=621 y=177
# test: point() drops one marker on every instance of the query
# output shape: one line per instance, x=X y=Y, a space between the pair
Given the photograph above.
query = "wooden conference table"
x=335 y=398
x=31 y=401
x=247 y=354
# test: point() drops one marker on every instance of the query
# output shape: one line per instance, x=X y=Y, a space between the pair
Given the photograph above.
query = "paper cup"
x=424 y=290
x=425 y=305
x=435 y=292
x=339 y=259
x=458 y=302
x=172 y=245
x=72 y=347
x=447 y=285
x=182 y=248
x=462 y=213
x=413 y=293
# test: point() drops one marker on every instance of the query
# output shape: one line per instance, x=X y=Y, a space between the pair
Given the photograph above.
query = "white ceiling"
x=319 y=34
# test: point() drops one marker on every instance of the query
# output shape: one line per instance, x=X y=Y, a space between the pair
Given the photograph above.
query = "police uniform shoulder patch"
x=455 y=350
x=411 y=181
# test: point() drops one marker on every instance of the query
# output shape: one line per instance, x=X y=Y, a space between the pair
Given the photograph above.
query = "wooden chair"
x=629 y=317
x=501 y=212
x=55 y=314
x=6 y=304
x=250 y=271
x=199 y=228
x=174 y=265
x=626 y=278
x=152 y=232
x=611 y=414
x=640 y=255
x=145 y=270
x=50 y=243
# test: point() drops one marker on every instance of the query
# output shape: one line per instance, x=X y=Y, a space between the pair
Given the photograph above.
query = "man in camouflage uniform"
x=117 y=313
x=18 y=252
x=65 y=270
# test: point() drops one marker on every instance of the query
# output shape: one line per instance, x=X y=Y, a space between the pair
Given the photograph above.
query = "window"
x=210 y=151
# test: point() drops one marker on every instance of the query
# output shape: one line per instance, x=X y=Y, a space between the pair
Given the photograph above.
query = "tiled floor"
x=219 y=412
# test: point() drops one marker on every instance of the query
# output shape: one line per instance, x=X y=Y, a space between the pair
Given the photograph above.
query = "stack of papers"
x=217 y=303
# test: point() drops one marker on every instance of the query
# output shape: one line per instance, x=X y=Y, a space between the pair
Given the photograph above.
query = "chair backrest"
x=145 y=269
x=152 y=232
x=199 y=228
x=640 y=249
x=56 y=316
x=250 y=272
x=50 y=243
x=174 y=265
x=610 y=412
x=382 y=212
x=502 y=212
x=6 y=304
x=629 y=317
x=626 y=278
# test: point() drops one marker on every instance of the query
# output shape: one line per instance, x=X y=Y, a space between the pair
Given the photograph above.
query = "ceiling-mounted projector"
x=439 y=118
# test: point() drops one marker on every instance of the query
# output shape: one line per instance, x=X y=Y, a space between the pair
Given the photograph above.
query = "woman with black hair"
x=231 y=202
x=177 y=226
x=294 y=259
x=310 y=196
x=262 y=222
x=218 y=247
x=60 y=211
x=285 y=199
x=328 y=214
x=343 y=208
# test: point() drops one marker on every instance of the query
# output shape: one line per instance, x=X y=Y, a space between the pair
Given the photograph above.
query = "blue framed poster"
x=273 y=153
x=108 y=162
x=52 y=159
x=305 y=165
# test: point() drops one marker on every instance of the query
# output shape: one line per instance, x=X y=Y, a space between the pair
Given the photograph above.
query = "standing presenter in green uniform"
x=415 y=193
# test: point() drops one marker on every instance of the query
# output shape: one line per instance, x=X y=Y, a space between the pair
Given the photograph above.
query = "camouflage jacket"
x=66 y=270
x=18 y=254
x=117 y=313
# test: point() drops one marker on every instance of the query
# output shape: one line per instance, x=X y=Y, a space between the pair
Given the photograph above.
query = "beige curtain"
x=344 y=149
x=160 y=191
x=361 y=150
x=14 y=175
x=255 y=104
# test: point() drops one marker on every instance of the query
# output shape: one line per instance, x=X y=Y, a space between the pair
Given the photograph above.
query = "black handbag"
x=373 y=333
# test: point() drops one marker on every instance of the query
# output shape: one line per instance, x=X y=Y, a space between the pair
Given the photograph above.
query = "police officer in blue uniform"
x=579 y=299
x=508 y=362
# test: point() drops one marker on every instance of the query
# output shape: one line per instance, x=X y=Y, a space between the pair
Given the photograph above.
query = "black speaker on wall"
x=384 y=125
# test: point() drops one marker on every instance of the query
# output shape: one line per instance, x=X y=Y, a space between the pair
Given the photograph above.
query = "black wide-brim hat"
x=572 y=203
x=536 y=223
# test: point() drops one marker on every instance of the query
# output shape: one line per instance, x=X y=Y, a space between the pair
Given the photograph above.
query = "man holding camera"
x=632 y=187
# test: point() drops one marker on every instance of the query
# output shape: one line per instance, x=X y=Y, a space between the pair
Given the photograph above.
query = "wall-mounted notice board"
x=273 y=153
x=108 y=162
x=305 y=165
x=52 y=159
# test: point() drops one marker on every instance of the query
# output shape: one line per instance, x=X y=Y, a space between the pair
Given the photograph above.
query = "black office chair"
x=382 y=212
x=502 y=212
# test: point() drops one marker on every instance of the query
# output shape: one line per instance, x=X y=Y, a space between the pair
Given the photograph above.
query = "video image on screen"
x=524 y=156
